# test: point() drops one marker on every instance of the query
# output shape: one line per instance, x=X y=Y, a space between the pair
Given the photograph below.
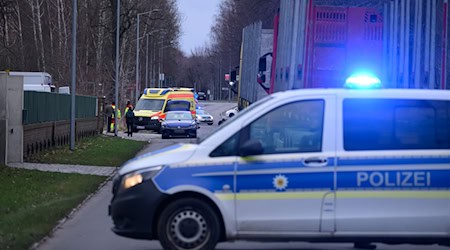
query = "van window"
x=396 y=124
x=292 y=128
x=178 y=105
x=227 y=148
x=150 y=104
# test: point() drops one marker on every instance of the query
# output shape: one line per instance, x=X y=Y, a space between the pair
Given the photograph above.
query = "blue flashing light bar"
x=363 y=81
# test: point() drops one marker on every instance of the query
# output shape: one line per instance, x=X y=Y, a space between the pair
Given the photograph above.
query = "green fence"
x=47 y=107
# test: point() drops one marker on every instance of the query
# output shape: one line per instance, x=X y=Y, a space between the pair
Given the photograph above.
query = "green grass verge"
x=32 y=202
x=95 y=151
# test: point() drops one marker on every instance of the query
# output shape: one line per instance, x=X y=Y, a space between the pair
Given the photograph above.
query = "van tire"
x=200 y=223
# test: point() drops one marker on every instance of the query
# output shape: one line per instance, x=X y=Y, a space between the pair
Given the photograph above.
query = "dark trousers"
x=108 y=128
x=130 y=128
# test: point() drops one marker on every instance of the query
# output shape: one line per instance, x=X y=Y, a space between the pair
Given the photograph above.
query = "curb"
x=62 y=221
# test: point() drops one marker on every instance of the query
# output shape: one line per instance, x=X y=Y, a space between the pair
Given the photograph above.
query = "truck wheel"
x=187 y=224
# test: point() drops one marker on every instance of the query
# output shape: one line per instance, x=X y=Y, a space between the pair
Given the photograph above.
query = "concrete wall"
x=15 y=127
x=11 y=129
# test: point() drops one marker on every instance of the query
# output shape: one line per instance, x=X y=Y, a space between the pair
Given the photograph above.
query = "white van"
x=36 y=81
x=313 y=165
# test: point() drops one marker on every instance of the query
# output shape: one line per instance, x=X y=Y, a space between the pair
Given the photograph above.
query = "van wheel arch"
x=188 y=194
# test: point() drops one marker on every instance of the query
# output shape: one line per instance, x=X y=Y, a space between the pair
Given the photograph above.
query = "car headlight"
x=132 y=179
x=154 y=118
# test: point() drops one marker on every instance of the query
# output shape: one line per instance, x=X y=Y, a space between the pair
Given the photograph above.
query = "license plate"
x=140 y=127
x=179 y=131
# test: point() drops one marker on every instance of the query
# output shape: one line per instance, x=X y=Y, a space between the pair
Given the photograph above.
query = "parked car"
x=232 y=112
x=178 y=124
x=224 y=116
x=204 y=117
x=201 y=96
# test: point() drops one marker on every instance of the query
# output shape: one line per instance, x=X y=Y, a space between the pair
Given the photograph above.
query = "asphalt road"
x=90 y=227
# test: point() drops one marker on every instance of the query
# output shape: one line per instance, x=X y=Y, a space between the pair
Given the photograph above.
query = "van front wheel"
x=188 y=224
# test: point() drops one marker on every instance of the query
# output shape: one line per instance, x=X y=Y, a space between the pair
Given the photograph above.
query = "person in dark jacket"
x=129 y=116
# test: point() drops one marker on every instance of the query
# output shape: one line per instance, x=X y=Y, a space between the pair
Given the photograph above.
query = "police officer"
x=109 y=114
x=113 y=116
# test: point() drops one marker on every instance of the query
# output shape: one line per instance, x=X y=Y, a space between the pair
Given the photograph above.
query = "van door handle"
x=315 y=162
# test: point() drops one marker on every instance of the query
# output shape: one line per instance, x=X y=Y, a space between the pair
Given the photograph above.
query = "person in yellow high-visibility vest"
x=114 y=115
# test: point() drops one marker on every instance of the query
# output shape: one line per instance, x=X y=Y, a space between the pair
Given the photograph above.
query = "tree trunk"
x=50 y=27
x=20 y=33
x=100 y=45
x=41 y=40
x=33 y=18
x=60 y=39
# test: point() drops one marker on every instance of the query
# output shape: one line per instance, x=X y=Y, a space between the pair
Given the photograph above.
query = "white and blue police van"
x=317 y=165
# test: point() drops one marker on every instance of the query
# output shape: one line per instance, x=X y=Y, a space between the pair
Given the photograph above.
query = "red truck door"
x=345 y=40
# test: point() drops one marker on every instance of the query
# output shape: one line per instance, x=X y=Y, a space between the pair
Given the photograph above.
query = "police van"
x=317 y=165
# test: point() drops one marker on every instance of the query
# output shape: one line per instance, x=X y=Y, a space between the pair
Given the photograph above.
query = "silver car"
x=204 y=117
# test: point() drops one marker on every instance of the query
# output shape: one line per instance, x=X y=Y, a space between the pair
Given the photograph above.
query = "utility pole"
x=137 y=50
x=146 y=62
x=116 y=120
x=159 y=65
x=74 y=74
x=137 y=61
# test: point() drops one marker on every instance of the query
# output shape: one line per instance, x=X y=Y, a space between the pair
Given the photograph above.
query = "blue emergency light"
x=363 y=81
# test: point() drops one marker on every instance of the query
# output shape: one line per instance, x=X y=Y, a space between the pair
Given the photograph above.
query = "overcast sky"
x=197 y=17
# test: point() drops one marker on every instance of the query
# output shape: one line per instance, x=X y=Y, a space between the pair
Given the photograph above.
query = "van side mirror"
x=251 y=147
x=262 y=64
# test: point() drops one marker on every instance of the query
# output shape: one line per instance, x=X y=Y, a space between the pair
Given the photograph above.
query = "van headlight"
x=135 y=178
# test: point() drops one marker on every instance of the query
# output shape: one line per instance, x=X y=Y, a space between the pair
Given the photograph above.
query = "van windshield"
x=149 y=104
x=178 y=106
x=239 y=114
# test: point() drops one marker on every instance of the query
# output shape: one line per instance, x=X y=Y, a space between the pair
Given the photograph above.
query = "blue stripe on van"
x=393 y=161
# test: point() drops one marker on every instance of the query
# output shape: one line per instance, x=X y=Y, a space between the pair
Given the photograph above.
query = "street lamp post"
x=161 y=62
x=146 y=61
x=116 y=92
x=74 y=74
x=137 y=50
x=146 y=56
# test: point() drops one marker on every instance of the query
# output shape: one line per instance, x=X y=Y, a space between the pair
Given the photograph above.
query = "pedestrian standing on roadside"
x=109 y=114
x=124 y=121
x=129 y=116
x=113 y=120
